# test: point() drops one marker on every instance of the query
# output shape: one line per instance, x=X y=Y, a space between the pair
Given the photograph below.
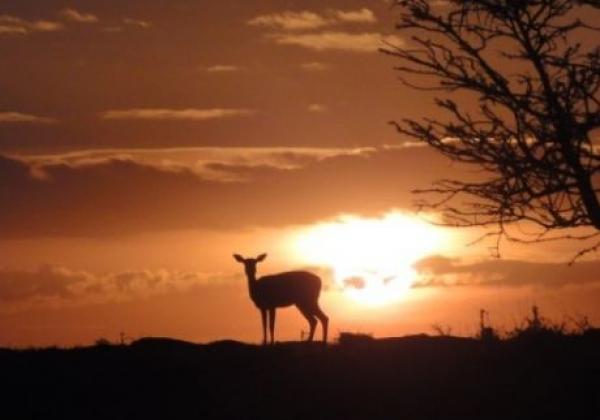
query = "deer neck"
x=251 y=285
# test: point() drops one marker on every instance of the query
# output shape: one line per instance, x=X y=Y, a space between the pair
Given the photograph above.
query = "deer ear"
x=261 y=257
x=238 y=258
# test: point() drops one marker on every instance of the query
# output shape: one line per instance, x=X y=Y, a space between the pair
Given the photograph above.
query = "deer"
x=299 y=288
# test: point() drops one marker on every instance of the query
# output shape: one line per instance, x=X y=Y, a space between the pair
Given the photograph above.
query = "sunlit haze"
x=372 y=258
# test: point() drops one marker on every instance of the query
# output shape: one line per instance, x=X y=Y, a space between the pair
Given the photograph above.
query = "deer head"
x=250 y=263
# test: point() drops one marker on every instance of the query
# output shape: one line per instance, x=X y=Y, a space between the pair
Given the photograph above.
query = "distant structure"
x=486 y=333
x=299 y=288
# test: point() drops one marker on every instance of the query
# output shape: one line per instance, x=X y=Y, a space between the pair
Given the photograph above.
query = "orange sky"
x=143 y=142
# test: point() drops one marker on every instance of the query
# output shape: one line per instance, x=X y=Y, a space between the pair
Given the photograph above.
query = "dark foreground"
x=406 y=378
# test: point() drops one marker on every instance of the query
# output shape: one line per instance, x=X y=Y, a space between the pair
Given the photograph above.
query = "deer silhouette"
x=299 y=288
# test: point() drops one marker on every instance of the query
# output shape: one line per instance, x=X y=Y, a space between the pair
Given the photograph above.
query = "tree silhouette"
x=534 y=69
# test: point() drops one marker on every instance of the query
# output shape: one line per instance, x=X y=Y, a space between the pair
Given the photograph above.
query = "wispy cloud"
x=222 y=68
x=439 y=271
x=317 y=108
x=144 y=24
x=45 y=26
x=290 y=20
x=363 y=15
x=355 y=282
x=18 y=117
x=357 y=42
x=306 y=20
x=201 y=160
x=80 y=17
x=13 y=25
x=299 y=28
x=190 y=114
x=315 y=66
x=12 y=30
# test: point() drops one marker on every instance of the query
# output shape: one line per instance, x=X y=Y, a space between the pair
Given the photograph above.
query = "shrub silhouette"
x=102 y=342
x=537 y=329
x=350 y=338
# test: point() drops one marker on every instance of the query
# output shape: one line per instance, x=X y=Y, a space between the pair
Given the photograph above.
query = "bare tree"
x=534 y=68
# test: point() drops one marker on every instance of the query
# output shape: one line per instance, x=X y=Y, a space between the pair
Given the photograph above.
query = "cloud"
x=218 y=164
x=12 y=30
x=79 y=17
x=20 y=118
x=355 y=282
x=356 y=42
x=306 y=20
x=144 y=24
x=294 y=29
x=49 y=283
x=363 y=15
x=440 y=271
x=190 y=114
x=290 y=20
x=315 y=66
x=116 y=195
x=317 y=108
x=44 y=282
x=12 y=25
x=222 y=68
x=45 y=26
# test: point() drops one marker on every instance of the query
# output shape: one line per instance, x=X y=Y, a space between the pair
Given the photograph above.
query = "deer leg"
x=312 y=321
x=263 y=314
x=272 y=324
x=324 y=321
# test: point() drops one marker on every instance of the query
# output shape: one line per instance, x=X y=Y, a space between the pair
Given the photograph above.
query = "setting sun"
x=371 y=258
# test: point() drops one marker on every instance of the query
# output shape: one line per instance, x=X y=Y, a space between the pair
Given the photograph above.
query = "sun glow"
x=371 y=259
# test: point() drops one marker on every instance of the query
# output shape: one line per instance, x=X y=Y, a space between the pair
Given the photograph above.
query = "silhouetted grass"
x=537 y=328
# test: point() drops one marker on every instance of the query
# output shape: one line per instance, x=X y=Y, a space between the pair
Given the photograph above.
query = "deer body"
x=285 y=289
x=299 y=288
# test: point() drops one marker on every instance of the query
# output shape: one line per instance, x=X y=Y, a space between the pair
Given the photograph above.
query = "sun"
x=371 y=258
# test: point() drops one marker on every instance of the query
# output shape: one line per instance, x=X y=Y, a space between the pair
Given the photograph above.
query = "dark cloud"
x=45 y=282
x=128 y=281
x=117 y=196
x=57 y=283
x=355 y=282
x=439 y=271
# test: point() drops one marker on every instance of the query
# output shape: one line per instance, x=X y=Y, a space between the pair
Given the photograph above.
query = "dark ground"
x=417 y=377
